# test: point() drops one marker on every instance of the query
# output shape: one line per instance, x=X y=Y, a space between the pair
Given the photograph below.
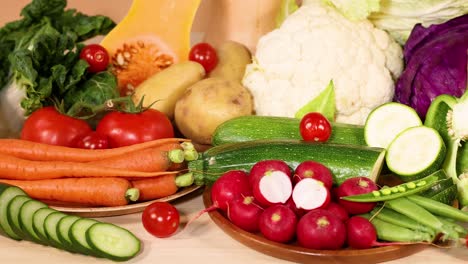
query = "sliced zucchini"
x=13 y=210
x=63 y=231
x=113 y=242
x=416 y=152
x=7 y=193
x=38 y=223
x=385 y=122
x=77 y=235
x=50 y=228
x=26 y=214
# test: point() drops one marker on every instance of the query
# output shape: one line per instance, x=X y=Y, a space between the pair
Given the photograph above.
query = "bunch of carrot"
x=105 y=177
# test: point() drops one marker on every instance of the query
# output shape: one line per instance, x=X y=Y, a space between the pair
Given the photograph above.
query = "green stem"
x=184 y=180
x=132 y=194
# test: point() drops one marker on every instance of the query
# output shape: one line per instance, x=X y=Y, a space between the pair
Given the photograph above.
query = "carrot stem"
x=132 y=194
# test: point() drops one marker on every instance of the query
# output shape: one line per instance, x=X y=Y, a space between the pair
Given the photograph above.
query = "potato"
x=166 y=87
x=233 y=57
x=207 y=104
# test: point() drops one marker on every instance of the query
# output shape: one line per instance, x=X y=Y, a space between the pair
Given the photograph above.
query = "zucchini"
x=344 y=161
x=248 y=128
x=77 y=234
x=446 y=196
x=26 y=213
x=50 y=227
x=416 y=152
x=7 y=193
x=386 y=121
x=438 y=187
x=112 y=242
x=13 y=214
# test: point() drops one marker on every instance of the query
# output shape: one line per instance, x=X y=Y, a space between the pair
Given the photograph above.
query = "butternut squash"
x=151 y=37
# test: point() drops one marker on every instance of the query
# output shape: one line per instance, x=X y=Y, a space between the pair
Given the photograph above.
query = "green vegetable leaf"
x=287 y=8
x=323 y=103
x=355 y=9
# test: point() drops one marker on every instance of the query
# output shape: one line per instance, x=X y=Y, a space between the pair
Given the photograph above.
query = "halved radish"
x=264 y=167
x=272 y=188
x=310 y=194
x=315 y=170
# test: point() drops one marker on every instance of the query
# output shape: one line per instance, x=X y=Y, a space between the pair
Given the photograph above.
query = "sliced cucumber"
x=416 y=152
x=50 y=228
x=7 y=193
x=385 y=122
x=13 y=210
x=26 y=218
x=77 y=235
x=63 y=231
x=38 y=223
x=113 y=242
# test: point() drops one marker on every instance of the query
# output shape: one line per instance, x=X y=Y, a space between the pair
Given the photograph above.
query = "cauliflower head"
x=314 y=45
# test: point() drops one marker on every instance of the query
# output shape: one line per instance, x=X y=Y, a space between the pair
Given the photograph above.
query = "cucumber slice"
x=13 y=210
x=385 y=122
x=7 y=193
x=113 y=242
x=38 y=223
x=26 y=213
x=77 y=235
x=63 y=231
x=50 y=228
x=416 y=152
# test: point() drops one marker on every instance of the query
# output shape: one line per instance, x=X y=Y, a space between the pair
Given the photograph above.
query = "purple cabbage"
x=436 y=63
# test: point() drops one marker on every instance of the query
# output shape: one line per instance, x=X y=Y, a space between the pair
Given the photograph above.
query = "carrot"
x=162 y=186
x=83 y=191
x=43 y=152
x=20 y=169
x=148 y=160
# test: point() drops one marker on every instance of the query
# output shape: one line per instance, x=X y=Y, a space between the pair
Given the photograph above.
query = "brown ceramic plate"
x=299 y=254
x=119 y=210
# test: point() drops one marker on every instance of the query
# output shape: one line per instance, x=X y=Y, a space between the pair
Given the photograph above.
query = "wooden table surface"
x=203 y=242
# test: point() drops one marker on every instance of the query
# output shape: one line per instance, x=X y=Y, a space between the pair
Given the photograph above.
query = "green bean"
x=417 y=213
x=388 y=193
x=439 y=208
x=395 y=233
x=393 y=217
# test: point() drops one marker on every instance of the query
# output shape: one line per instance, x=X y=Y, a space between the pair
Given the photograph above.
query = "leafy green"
x=355 y=9
x=323 y=103
x=287 y=8
x=39 y=57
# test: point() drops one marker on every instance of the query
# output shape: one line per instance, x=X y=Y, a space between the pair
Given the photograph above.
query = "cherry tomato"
x=47 y=125
x=92 y=140
x=161 y=219
x=96 y=56
x=125 y=129
x=204 y=54
x=315 y=127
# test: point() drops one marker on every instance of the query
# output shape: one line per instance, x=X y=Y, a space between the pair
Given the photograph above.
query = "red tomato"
x=47 y=125
x=96 y=56
x=204 y=54
x=125 y=129
x=315 y=127
x=92 y=140
x=161 y=219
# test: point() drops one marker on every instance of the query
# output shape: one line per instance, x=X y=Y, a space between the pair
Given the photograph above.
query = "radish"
x=232 y=185
x=320 y=229
x=315 y=170
x=354 y=186
x=338 y=210
x=264 y=167
x=299 y=212
x=271 y=182
x=361 y=234
x=244 y=213
x=278 y=223
x=309 y=194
